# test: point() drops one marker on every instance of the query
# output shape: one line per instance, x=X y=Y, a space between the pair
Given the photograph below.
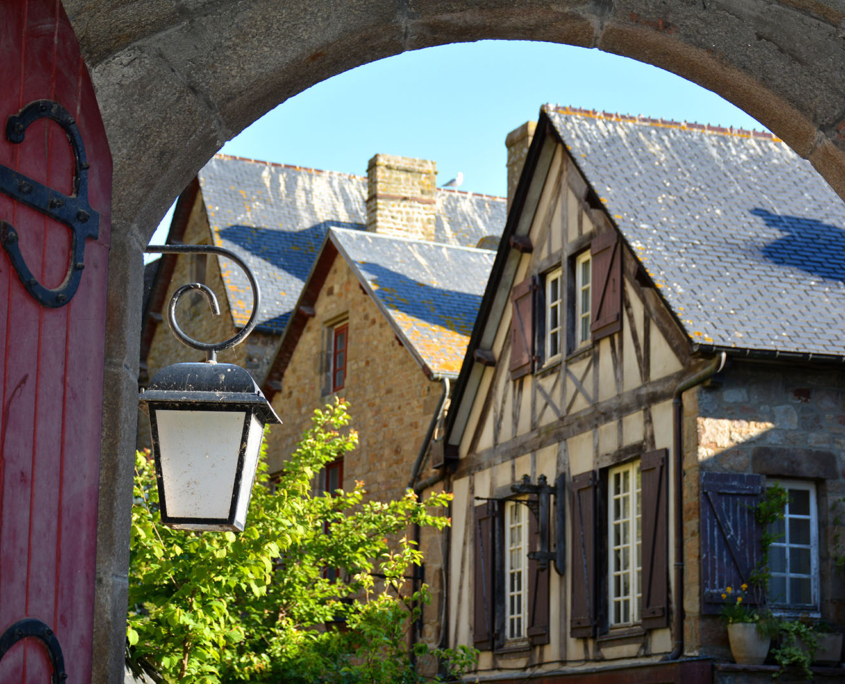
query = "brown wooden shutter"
x=538 y=589
x=540 y=351
x=731 y=539
x=484 y=586
x=606 y=305
x=655 y=539
x=522 y=329
x=582 y=617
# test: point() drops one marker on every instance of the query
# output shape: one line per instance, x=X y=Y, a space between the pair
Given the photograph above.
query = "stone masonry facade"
x=391 y=404
x=773 y=420
x=401 y=196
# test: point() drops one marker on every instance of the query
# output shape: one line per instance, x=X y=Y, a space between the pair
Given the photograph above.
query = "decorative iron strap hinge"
x=74 y=210
x=32 y=628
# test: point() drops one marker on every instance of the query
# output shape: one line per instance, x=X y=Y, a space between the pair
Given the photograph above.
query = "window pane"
x=799 y=561
x=585 y=273
x=338 y=379
x=554 y=344
x=554 y=323
x=799 y=531
x=585 y=300
x=777 y=559
x=777 y=589
x=341 y=340
x=800 y=590
x=585 y=329
x=799 y=502
x=778 y=528
x=553 y=290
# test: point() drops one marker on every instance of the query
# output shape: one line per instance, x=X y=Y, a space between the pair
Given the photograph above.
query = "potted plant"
x=828 y=644
x=749 y=631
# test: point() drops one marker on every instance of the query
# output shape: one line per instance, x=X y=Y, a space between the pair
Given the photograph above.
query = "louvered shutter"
x=522 y=329
x=582 y=618
x=731 y=539
x=655 y=539
x=538 y=589
x=606 y=305
x=484 y=586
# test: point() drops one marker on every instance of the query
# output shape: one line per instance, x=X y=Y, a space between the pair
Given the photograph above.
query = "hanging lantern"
x=207 y=424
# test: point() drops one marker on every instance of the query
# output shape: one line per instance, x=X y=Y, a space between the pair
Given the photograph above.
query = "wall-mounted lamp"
x=207 y=422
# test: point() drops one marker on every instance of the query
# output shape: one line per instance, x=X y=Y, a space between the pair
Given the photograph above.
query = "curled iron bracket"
x=32 y=628
x=74 y=211
x=210 y=348
x=540 y=508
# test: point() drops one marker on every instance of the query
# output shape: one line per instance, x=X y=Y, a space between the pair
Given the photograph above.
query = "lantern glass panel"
x=199 y=459
x=253 y=450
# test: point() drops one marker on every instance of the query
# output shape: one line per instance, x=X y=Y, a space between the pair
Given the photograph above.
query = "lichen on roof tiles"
x=276 y=216
x=431 y=291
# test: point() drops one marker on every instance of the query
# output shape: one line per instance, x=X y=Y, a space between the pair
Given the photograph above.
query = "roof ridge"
x=662 y=123
x=472 y=194
x=430 y=243
x=294 y=167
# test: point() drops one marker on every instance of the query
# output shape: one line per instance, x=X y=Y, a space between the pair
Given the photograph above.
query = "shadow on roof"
x=808 y=244
x=451 y=309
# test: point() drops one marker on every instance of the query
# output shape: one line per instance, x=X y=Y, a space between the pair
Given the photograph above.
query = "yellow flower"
x=724 y=596
x=744 y=587
x=739 y=599
x=728 y=589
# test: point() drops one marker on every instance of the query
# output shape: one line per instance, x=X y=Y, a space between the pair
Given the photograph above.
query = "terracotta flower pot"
x=747 y=646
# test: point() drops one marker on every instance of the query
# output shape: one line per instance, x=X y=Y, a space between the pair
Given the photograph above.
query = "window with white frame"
x=624 y=516
x=794 y=555
x=516 y=576
x=583 y=298
x=553 y=317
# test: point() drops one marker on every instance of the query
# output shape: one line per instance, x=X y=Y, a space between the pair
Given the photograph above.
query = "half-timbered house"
x=661 y=339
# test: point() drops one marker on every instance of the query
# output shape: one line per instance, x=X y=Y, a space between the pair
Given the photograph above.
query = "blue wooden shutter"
x=731 y=539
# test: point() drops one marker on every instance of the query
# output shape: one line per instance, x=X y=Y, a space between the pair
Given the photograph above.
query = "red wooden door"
x=51 y=359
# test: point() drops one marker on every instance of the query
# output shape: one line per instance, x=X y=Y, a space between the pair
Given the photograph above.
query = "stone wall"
x=779 y=421
x=391 y=403
x=401 y=196
x=518 y=141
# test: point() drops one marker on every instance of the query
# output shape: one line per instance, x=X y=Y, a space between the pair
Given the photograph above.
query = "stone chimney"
x=401 y=196
x=518 y=142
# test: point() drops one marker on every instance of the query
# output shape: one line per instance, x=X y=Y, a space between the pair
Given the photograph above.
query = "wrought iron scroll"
x=74 y=211
x=32 y=628
x=210 y=348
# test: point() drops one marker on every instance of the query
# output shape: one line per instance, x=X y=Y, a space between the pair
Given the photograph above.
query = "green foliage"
x=798 y=643
x=211 y=608
x=772 y=508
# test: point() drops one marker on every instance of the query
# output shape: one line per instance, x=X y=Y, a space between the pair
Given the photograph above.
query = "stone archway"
x=175 y=79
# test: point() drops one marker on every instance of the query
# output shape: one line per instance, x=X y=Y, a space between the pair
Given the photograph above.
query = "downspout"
x=419 y=488
x=678 y=416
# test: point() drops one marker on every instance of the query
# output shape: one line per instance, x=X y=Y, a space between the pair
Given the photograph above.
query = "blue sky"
x=456 y=103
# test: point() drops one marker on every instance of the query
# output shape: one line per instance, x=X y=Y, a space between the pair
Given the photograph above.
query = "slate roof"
x=745 y=240
x=430 y=292
x=276 y=217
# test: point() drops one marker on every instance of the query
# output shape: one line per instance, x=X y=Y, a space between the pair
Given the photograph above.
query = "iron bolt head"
x=26 y=188
x=60 y=298
x=82 y=216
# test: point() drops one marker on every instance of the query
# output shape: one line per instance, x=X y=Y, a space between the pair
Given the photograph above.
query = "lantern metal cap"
x=203 y=383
